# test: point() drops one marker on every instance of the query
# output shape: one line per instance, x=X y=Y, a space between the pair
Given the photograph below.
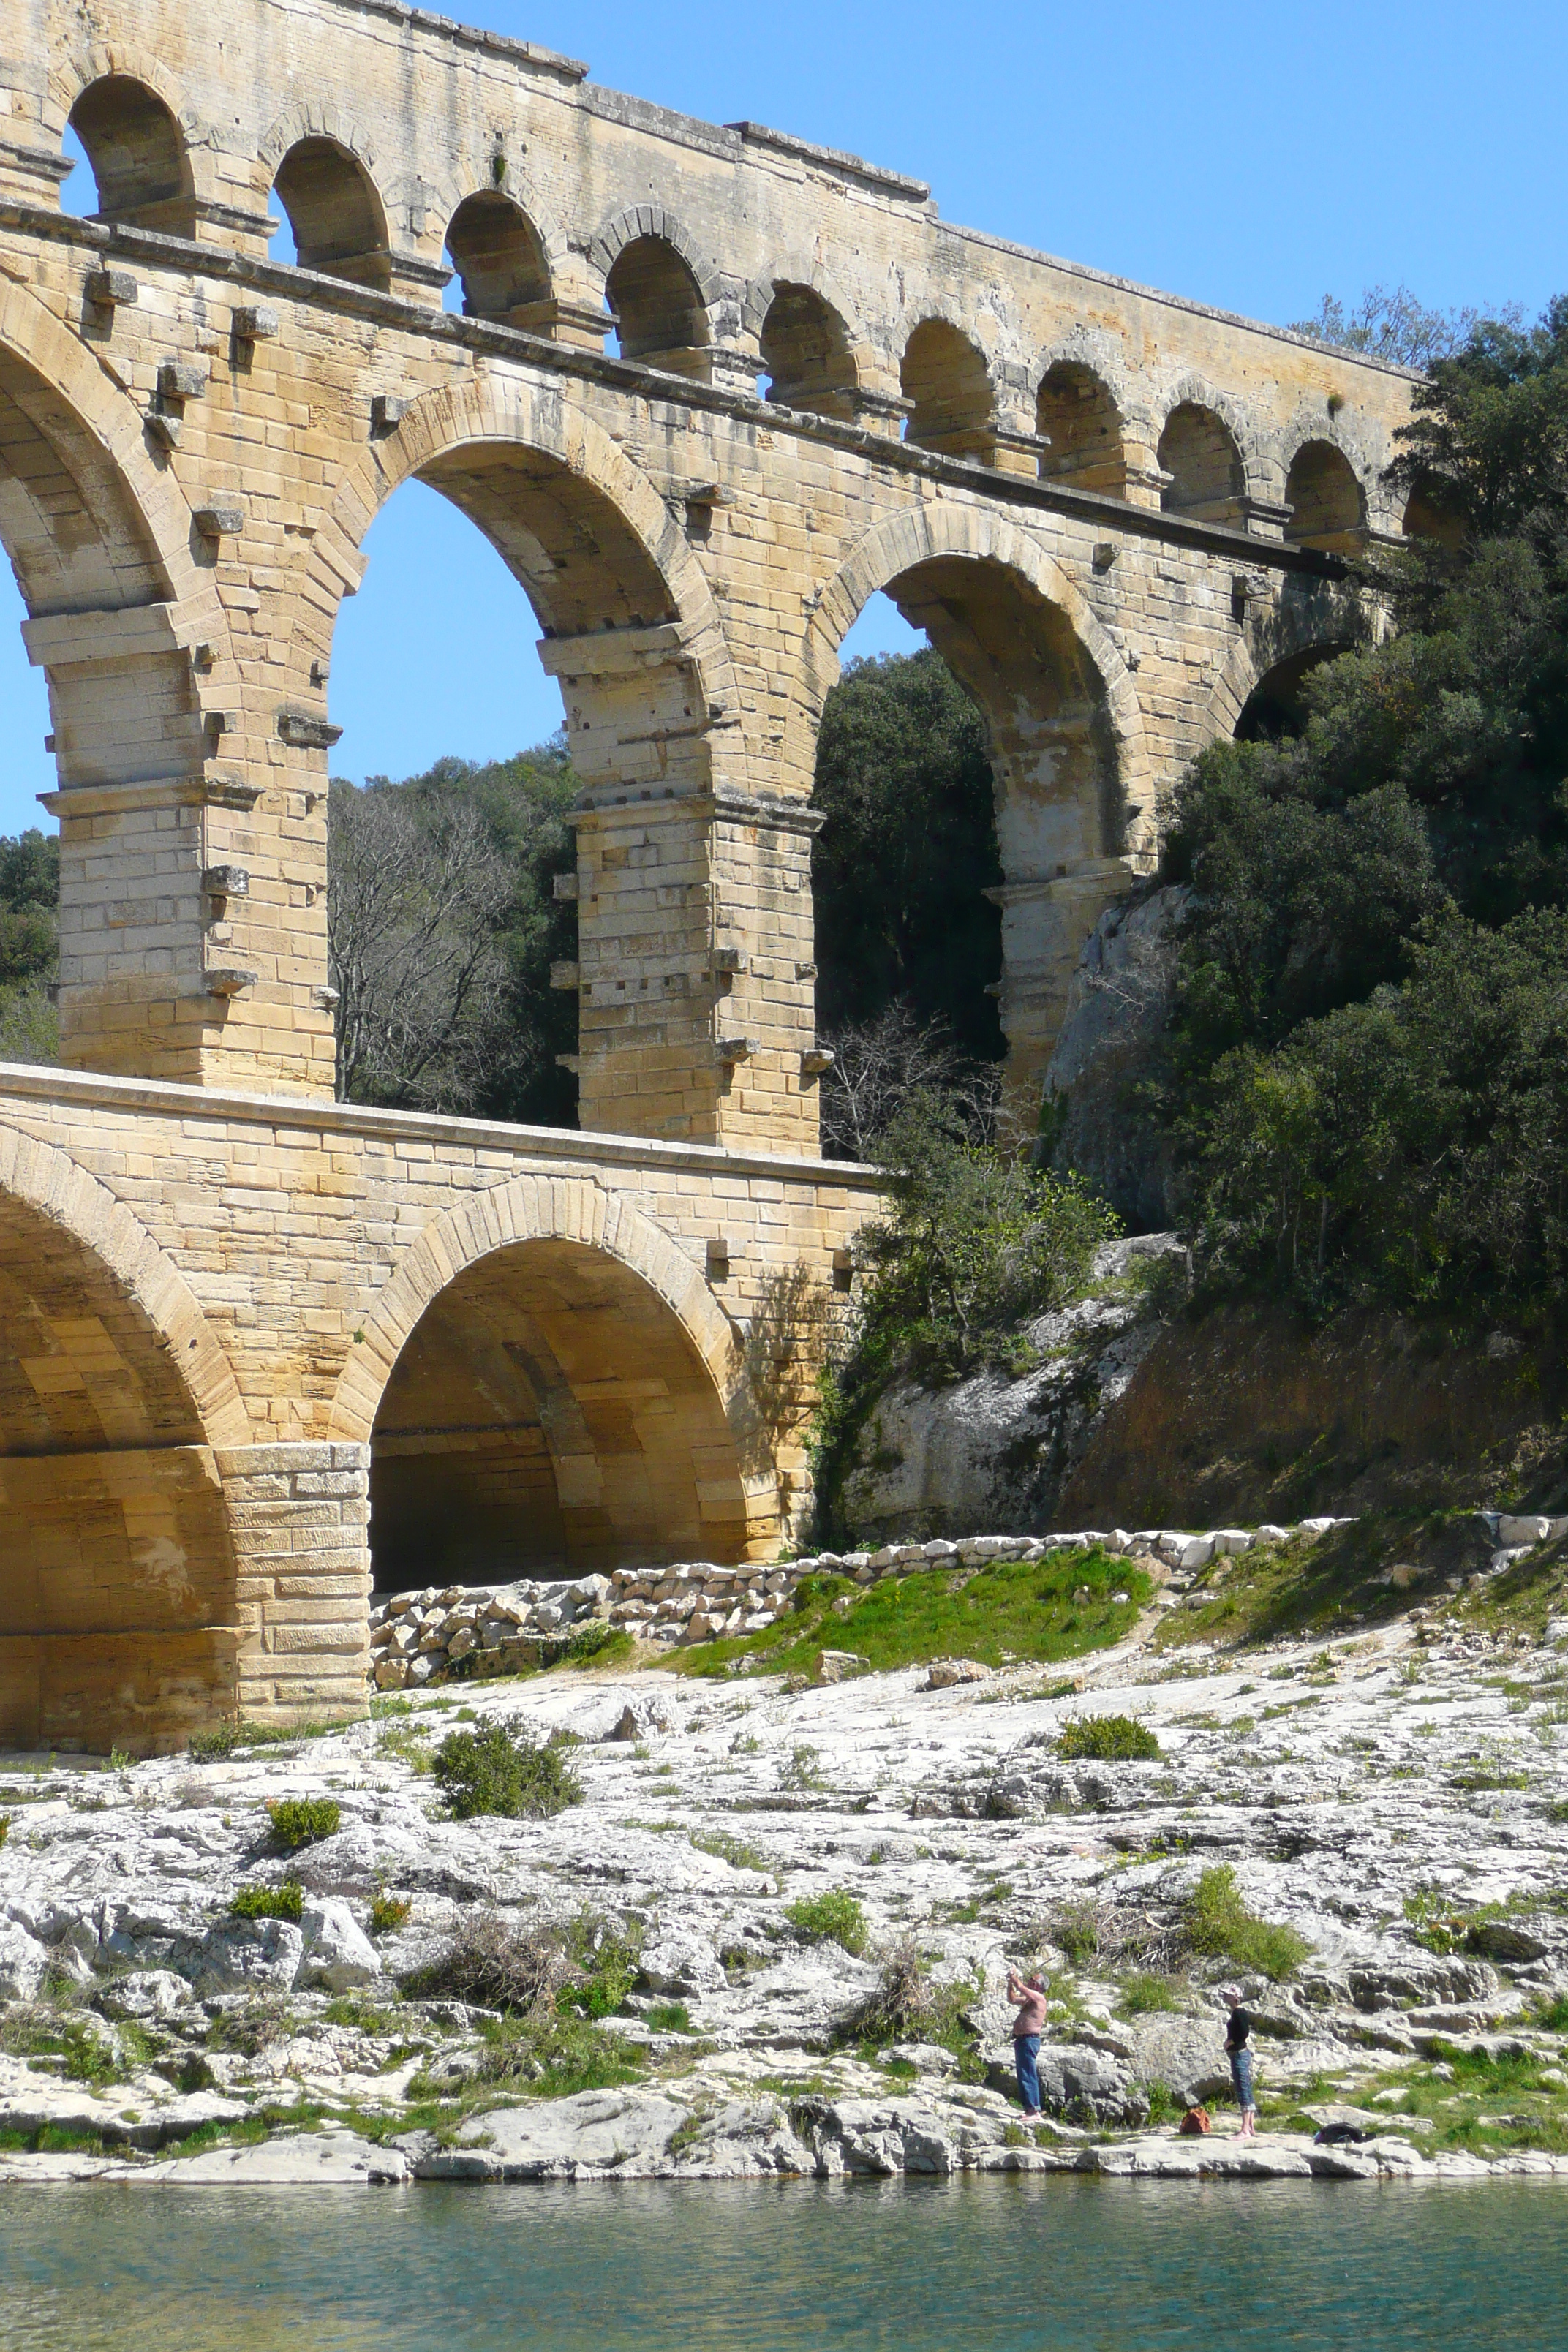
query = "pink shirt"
x=1031 y=2016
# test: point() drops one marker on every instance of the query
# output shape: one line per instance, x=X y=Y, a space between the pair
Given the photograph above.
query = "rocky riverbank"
x=1398 y=1798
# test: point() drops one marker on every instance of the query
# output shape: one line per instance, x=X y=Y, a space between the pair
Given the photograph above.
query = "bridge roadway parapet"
x=235 y=1327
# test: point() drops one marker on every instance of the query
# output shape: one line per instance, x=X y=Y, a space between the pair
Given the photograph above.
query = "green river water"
x=998 y=2265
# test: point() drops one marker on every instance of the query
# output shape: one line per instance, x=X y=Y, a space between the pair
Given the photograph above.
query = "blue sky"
x=1254 y=156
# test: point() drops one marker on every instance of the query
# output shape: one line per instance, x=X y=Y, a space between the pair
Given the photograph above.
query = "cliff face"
x=997 y=1452
x=1243 y=1415
x=1251 y=1415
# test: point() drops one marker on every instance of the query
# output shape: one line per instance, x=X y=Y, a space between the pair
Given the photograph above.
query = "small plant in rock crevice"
x=302 y=1820
x=284 y=1902
x=388 y=1912
x=834 y=1917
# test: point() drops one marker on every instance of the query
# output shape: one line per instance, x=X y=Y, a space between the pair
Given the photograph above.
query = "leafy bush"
x=1144 y=1991
x=302 y=1820
x=1079 y=1929
x=1220 y=1927
x=387 y=1912
x=834 y=1918
x=495 y=1771
x=1108 y=1739
x=6 y=1822
x=284 y=1902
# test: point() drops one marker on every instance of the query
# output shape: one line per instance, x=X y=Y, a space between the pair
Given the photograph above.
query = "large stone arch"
x=1075 y=790
x=499 y=413
x=546 y=1382
x=119 y=1611
x=118 y=589
x=1312 y=620
x=79 y=71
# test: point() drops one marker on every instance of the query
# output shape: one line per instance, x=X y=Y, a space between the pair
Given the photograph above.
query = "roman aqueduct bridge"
x=709 y=391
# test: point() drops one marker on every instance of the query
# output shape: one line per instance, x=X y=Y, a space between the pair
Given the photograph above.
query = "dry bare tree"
x=417 y=890
x=879 y=1065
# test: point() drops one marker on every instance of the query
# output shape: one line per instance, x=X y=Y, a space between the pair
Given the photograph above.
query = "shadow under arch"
x=119 y=1608
x=548 y=1387
x=139 y=154
x=1074 y=791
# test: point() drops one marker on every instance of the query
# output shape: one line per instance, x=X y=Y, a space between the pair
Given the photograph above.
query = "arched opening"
x=1052 y=837
x=1276 y=709
x=1327 y=511
x=121 y=701
x=138 y=155
x=1432 y=512
x=944 y=376
x=549 y=1415
x=337 y=219
x=1197 y=452
x=614 y=643
x=496 y=253
x=807 y=354
x=118 y=1611
x=660 y=315
x=1074 y=411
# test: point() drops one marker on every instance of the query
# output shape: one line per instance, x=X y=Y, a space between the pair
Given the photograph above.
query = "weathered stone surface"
x=337 y=1954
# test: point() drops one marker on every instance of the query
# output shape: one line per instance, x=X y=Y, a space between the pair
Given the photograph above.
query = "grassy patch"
x=1002 y=1614
x=1108 y=1737
x=284 y=1902
x=732 y=1850
x=833 y=1917
x=499 y=1772
x=303 y=1821
x=668 y=2017
x=1144 y=1991
x=1220 y=1927
x=1484 y=2105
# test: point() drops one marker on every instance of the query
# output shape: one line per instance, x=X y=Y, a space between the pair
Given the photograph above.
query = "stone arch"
x=809 y=348
x=1326 y=496
x=501 y=257
x=1312 y=621
x=659 y=310
x=499 y=419
x=799 y=269
x=126 y=114
x=1252 y=476
x=118 y=1606
x=104 y=551
x=1074 y=795
x=1077 y=410
x=335 y=210
x=945 y=376
x=640 y=221
x=547 y=1384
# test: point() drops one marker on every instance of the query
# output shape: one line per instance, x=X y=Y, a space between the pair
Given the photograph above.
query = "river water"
x=998 y=2265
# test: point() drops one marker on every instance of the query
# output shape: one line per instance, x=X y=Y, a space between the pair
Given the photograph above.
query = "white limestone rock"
x=337 y=1955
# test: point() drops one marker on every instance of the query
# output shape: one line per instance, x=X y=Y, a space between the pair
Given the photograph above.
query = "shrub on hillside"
x=1108 y=1739
x=284 y=1902
x=1220 y=1927
x=494 y=1770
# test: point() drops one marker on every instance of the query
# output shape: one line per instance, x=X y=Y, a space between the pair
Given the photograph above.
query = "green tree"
x=29 y=945
x=1365 y=1065
x=907 y=851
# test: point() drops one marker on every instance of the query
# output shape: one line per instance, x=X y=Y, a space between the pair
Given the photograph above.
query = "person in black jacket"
x=1239 y=2050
